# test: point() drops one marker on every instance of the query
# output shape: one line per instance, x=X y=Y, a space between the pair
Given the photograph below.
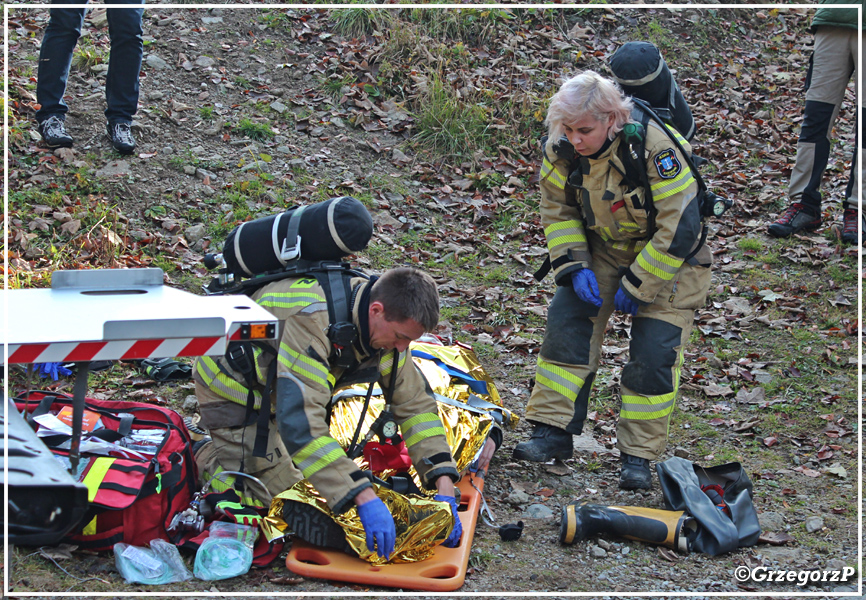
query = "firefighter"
x=604 y=258
x=387 y=312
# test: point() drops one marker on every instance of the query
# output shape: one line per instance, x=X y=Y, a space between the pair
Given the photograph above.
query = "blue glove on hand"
x=586 y=286
x=454 y=538
x=53 y=370
x=379 y=527
x=624 y=303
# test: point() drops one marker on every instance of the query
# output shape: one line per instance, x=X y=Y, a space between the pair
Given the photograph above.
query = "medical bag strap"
x=52 y=441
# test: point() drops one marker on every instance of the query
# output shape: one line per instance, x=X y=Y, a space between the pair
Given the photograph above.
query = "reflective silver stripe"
x=317 y=455
x=643 y=80
x=558 y=379
x=275 y=241
x=225 y=386
x=387 y=361
x=335 y=235
x=238 y=253
x=421 y=427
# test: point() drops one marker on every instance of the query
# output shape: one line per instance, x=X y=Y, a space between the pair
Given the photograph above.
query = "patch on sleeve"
x=667 y=164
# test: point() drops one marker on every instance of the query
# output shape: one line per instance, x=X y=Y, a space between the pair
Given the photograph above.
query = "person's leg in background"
x=55 y=58
x=829 y=72
x=854 y=193
x=124 y=65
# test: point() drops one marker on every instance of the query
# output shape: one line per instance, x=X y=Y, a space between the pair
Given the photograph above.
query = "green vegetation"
x=449 y=127
x=355 y=22
x=254 y=130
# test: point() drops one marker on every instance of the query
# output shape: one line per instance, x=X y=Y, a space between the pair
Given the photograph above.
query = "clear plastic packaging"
x=159 y=564
x=227 y=551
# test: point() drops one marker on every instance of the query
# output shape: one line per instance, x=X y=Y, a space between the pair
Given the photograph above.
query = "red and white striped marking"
x=115 y=350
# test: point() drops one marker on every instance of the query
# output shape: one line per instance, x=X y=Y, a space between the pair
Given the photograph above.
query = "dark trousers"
x=124 y=63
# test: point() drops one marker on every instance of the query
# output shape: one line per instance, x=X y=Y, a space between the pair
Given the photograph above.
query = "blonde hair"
x=587 y=94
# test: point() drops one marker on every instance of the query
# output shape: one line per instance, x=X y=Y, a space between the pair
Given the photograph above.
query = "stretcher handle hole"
x=312 y=556
x=440 y=572
x=242 y=307
x=112 y=292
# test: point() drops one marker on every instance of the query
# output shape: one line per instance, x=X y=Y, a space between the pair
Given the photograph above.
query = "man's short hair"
x=408 y=293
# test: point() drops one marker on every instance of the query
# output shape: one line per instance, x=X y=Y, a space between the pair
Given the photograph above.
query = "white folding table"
x=121 y=314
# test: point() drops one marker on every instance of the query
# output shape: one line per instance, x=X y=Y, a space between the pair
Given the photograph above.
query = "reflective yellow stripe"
x=681 y=182
x=550 y=172
x=98 y=468
x=676 y=263
x=421 y=427
x=656 y=263
x=564 y=232
x=558 y=379
x=289 y=300
x=223 y=385
x=224 y=483
x=646 y=408
x=303 y=365
x=676 y=134
x=386 y=362
x=652 y=269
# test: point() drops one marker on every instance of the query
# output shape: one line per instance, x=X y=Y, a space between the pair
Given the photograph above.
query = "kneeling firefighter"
x=318 y=351
x=614 y=245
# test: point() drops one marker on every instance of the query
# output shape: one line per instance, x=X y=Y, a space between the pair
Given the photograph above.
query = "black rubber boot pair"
x=545 y=444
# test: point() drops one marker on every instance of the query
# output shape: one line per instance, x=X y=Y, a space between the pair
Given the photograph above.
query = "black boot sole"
x=315 y=527
x=559 y=454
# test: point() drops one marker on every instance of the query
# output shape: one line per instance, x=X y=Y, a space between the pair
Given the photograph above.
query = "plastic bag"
x=159 y=564
x=227 y=551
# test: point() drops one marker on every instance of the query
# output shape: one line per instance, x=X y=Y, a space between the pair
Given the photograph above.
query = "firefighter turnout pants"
x=232 y=450
x=569 y=357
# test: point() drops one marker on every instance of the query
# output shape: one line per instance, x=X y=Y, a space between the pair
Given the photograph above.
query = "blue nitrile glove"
x=53 y=370
x=454 y=538
x=625 y=303
x=586 y=286
x=379 y=527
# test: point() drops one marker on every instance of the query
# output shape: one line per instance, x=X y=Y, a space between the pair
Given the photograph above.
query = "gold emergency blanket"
x=422 y=523
x=466 y=429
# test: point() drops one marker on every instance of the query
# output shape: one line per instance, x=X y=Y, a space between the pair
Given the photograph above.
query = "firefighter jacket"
x=306 y=380
x=591 y=196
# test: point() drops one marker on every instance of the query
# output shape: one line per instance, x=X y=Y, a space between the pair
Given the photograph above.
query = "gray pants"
x=834 y=60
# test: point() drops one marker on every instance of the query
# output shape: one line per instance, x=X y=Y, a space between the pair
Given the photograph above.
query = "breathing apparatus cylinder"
x=327 y=230
x=666 y=527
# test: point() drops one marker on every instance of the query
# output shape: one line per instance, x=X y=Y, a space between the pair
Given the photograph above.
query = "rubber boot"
x=545 y=443
x=635 y=473
x=665 y=527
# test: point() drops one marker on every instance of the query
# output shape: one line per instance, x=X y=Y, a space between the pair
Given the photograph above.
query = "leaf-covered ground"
x=432 y=118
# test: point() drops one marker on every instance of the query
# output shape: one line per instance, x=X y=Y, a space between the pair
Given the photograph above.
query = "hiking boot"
x=545 y=443
x=635 y=473
x=54 y=134
x=850 y=219
x=121 y=138
x=315 y=527
x=796 y=217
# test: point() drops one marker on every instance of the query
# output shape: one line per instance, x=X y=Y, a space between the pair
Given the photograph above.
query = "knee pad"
x=652 y=356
